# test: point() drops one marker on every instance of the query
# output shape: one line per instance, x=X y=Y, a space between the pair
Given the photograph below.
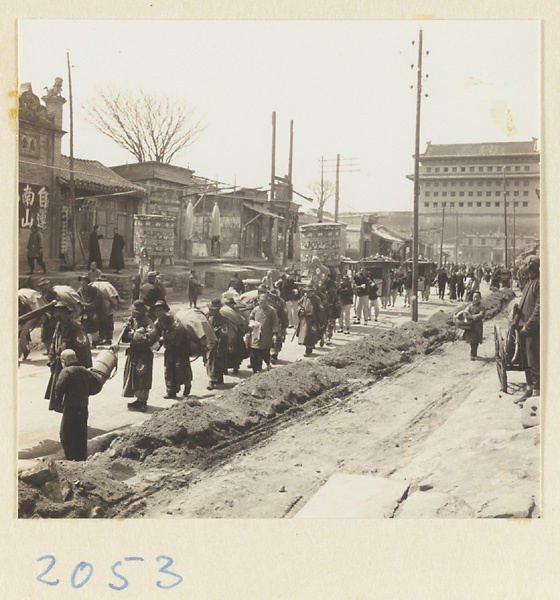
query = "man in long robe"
x=68 y=334
x=140 y=332
x=311 y=319
x=265 y=325
x=116 y=260
x=529 y=329
x=216 y=361
x=176 y=358
x=94 y=251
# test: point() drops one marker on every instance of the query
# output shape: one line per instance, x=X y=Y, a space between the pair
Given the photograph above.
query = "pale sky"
x=346 y=85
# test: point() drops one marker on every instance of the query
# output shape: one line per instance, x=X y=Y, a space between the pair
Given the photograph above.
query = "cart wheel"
x=501 y=358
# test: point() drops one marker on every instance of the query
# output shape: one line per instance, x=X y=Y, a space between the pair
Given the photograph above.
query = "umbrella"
x=190 y=221
x=215 y=226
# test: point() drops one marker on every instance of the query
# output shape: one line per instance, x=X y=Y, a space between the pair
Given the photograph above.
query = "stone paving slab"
x=431 y=505
x=346 y=496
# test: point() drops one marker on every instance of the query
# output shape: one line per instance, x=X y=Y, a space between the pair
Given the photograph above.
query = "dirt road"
x=440 y=424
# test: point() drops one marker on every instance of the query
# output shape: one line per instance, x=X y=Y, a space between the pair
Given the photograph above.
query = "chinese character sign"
x=33 y=205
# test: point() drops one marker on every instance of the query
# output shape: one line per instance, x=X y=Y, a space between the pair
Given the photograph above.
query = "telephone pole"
x=344 y=165
x=441 y=241
x=505 y=219
x=273 y=161
x=417 y=186
x=73 y=203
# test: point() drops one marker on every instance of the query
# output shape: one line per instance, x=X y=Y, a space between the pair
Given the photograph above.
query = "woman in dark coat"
x=475 y=315
x=94 y=251
x=116 y=261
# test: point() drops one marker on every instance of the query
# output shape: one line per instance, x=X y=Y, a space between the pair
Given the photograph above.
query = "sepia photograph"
x=279 y=269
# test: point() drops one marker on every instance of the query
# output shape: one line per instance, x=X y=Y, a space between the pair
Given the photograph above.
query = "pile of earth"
x=194 y=436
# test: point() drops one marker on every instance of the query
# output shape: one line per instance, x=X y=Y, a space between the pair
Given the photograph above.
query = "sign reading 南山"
x=33 y=205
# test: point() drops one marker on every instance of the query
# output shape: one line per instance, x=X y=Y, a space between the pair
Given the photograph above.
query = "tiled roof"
x=92 y=176
x=485 y=149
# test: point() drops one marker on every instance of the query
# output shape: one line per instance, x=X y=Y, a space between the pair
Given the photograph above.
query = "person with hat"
x=528 y=323
x=195 y=289
x=345 y=297
x=309 y=327
x=116 y=260
x=150 y=293
x=216 y=361
x=74 y=386
x=139 y=331
x=49 y=323
x=110 y=303
x=237 y=350
x=35 y=250
x=69 y=334
x=176 y=358
x=93 y=306
x=264 y=325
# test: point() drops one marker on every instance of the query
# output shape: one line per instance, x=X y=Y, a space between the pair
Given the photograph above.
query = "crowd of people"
x=240 y=325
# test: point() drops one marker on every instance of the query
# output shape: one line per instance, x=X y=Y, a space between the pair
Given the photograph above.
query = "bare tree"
x=322 y=192
x=149 y=126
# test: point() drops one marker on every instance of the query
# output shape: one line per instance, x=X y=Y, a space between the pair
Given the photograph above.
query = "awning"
x=384 y=235
x=260 y=209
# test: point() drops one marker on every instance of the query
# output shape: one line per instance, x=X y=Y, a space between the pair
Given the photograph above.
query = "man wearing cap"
x=309 y=319
x=217 y=357
x=361 y=289
x=74 y=386
x=237 y=350
x=150 y=293
x=35 y=250
x=139 y=331
x=264 y=325
x=176 y=358
x=68 y=335
x=49 y=322
x=93 y=305
x=345 y=297
x=110 y=302
x=529 y=310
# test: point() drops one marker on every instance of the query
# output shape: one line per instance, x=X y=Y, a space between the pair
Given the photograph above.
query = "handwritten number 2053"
x=83 y=572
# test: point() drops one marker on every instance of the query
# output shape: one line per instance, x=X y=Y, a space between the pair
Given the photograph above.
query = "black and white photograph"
x=279 y=269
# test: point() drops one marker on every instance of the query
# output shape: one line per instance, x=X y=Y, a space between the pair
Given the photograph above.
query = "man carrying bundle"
x=176 y=358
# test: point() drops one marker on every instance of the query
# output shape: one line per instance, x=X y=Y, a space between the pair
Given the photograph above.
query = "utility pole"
x=287 y=222
x=456 y=237
x=74 y=208
x=505 y=219
x=441 y=241
x=417 y=186
x=273 y=164
x=337 y=165
x=336 y=192
x=321 y=200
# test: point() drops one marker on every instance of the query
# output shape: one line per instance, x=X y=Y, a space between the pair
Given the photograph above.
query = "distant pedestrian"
x=74 y=386
x=35 y=250
x=311 y=319
x=442 y=282
x=345 y=295
x=237 y=284
x=361 y=290
x=373 y=299
x=195 y=289
x=475 y=314
x=94 y=251
x=268 y=280
x=116 y=261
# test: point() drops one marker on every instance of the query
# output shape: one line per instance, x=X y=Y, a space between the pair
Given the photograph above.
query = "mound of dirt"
x=191 y=434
